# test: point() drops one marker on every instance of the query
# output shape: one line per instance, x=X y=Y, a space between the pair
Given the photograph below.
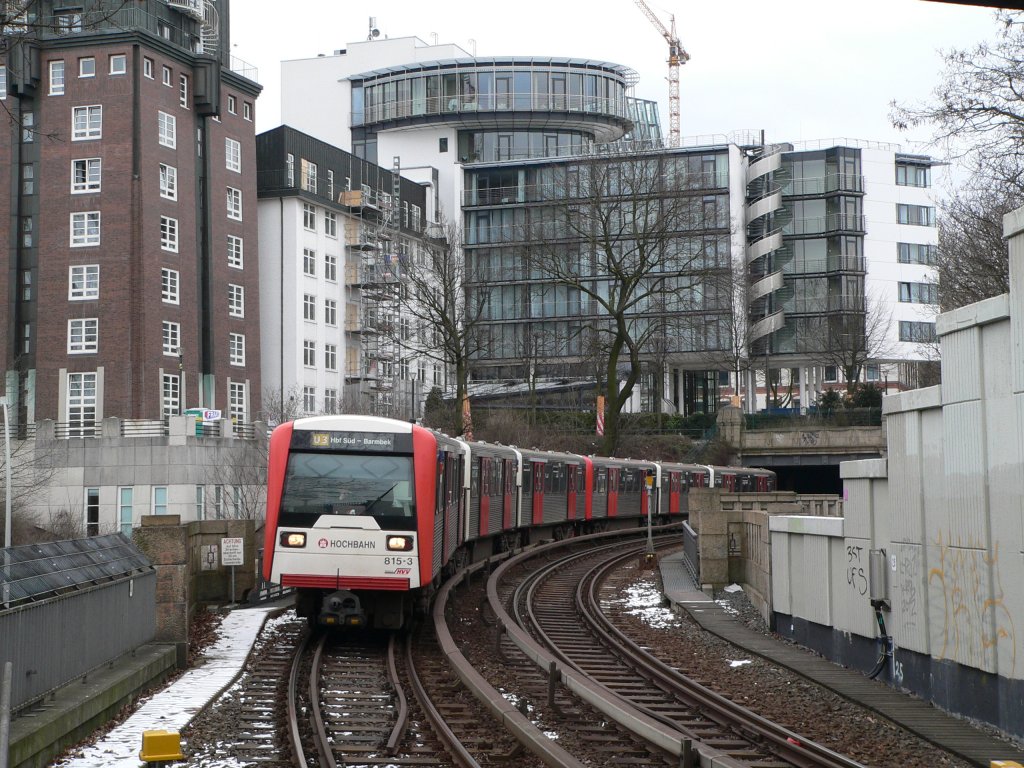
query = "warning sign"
x=232 y=551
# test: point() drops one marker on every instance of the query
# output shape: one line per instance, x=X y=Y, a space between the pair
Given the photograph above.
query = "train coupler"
x=341 y=609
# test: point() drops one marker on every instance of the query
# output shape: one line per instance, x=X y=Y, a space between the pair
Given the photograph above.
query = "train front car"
x=350 y=517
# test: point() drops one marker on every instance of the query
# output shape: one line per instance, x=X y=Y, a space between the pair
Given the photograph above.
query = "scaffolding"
x=374 y=267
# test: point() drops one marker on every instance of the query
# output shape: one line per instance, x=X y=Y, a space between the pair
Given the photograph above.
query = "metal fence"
x=81 y=605
x=795 y=418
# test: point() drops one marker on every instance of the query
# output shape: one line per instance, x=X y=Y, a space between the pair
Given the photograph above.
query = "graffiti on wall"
x=975 y=619
x=856 y=576
x=911 y=601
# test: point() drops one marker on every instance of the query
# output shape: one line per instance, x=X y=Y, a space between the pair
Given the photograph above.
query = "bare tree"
x=850 y=340
x=612 y=241
x=241 y=471
x=33 y=466
x=973 y=259
x=440 y=317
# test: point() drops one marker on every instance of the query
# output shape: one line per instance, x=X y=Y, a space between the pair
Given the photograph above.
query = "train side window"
x=474 y=477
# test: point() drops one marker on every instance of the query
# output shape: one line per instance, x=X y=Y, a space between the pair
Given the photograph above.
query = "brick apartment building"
x=128 y=170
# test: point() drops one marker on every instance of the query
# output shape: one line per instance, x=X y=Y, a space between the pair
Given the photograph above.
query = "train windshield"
x=379 y=485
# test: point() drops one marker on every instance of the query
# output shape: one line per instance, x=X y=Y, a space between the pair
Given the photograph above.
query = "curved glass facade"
x=471 y=86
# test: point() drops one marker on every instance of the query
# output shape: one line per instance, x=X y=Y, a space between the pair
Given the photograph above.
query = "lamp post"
x=7 y=473
x=181 y=381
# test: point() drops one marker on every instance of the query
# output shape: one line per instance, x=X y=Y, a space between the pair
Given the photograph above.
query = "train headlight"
x=291 y=539
x=400 y=543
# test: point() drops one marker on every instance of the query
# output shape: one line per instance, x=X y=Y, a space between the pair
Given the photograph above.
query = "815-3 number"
x=397 y=561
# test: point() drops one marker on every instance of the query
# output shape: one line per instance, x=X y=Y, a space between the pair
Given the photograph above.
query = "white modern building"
x=832 y=235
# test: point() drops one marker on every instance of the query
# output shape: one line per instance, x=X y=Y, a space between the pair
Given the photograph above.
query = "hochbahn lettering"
x=345 y=544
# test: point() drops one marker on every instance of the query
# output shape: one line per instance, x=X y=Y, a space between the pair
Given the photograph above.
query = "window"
x=234 y=204
x=917 y=331
x=415 y=214
x=330 y=267
x=85 y=175
x=183 y=90
x=171 y=338
x=147 y=67
x=83 y=282
x=56 y=78
x=913 y=175
x=27 y=229
x=237 y=402
x=69 y=21
x=920 y=215
x=85 y=229
x=87 y=123
x=200 y=502
x=309 y=216
x=246 y=110
x=233 y=155
x=118 y=64
x=330 y=184
x=442 y=144
x=168 y=128
x=125 y=498
x=330 y=311
x=405 y=326
x=87 y=67
x=309 y=307
x=28 y=130
x=235 y=260
x=232 y=102
x=169 y=234
x=26 y=285
x=236 y=300
x=83 y=335
x=331 y=357
x=218 y=502
x=309 y=262
x=167 y=76
x=330 y=400
x=159 y=499
x=289 y=164
x=421 y=371
x=919 y=293
x=170 y=395
x=403 y=369
x=28 y=179
x=92 y=511
x=917 y=253
x=26 y=338
x=872 y=373
x=169 y=280
x=309 y=399
x=330 y=224
x=236 y=348
x=81 y=404
x=168 y=182
x=309 y=353
x=309 y=176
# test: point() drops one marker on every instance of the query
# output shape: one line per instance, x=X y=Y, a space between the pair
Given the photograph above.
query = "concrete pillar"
x=164 y=541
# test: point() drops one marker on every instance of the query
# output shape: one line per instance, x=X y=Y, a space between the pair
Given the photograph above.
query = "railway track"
x=559 y=605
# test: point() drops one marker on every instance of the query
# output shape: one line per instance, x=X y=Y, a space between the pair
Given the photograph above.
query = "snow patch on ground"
x=644 y=600
x=174 y=707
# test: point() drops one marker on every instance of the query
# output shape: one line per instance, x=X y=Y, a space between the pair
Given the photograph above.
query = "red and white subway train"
x=365 y=513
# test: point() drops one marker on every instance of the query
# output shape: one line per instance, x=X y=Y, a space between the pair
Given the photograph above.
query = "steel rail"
x=294 y=737
x=456 y=749
x=785 y=743
x=402 y=715
x=323 y=744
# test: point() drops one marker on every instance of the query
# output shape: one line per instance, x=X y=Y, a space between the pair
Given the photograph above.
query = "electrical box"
x=878 y=575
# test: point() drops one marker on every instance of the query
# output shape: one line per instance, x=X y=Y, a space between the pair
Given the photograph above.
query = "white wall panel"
x=965 y=466
x=850 y=585
x=907 y=594
x=962 y=619
x=904 y=438
x=811 y=576
x=961 y=369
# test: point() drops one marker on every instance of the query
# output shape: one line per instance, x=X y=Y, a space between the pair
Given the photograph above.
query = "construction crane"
x=676 y=56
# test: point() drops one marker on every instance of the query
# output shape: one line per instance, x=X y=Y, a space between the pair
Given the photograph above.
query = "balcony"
x=820 y=225
x=823 y=185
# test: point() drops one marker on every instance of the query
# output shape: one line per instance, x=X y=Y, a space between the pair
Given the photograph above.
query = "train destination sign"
x=377 y=442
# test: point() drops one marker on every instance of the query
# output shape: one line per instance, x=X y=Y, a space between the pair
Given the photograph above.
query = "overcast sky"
x=799 y=69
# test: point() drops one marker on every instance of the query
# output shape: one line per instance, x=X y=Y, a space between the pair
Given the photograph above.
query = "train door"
x=510 y=485
x=572 y=471
x=485 y=494
x=729 y=482
x=538 y=492
x=613 y=491
x=673 y=493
